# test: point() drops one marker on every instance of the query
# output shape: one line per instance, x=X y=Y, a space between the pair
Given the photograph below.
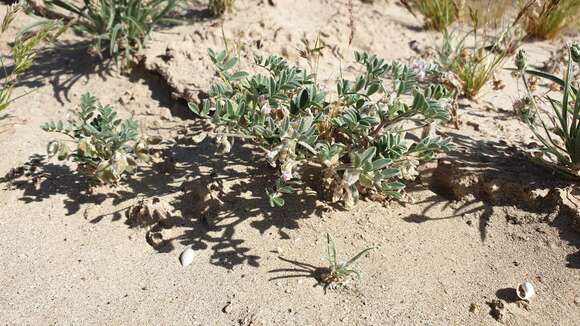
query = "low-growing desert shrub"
x=546 y=19
x=558 y=126
x=104 y=146
x=119 y=28
x=364 y=138
x=22 y=53
x=220 y=7
x=438 y=14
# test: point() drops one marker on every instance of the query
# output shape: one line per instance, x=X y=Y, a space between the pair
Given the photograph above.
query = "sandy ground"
x=473 y=227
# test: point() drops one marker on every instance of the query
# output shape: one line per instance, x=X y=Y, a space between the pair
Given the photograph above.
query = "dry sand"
x=461 y=238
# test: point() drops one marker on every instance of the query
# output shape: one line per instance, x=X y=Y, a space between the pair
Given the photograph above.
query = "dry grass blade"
x=548 y=18
x=438 y=14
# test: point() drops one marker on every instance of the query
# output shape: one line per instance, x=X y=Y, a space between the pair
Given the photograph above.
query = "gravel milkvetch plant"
x=105 y=146
x=118 y=27
x=557 y=128
x=366 y=138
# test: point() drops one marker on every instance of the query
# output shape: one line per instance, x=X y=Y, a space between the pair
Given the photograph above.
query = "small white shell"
x=186 y=257
x=525 y=291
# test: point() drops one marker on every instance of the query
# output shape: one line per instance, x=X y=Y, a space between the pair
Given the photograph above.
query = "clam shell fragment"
x=186 y=257
x=525 y=291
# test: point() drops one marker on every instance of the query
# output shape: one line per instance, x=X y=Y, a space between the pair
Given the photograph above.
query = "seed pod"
x=575 y=52
x=141 y=151
x=119 y=164
x=86 y=147
x=52 y=148
x=522 y=60
x=63 y=152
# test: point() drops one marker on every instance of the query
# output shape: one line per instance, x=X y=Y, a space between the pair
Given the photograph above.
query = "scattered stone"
x=497 y=309
x=523 y=305
x=474 y=308
x=577 y=300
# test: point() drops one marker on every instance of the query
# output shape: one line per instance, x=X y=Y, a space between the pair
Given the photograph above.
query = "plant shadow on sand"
x=481 y=177
x=62 y=65
x=299 y=270
x=243 y=200
x=66 y=63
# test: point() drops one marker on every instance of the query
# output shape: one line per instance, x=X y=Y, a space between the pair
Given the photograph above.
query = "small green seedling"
x=104 y=146
x=338 y=271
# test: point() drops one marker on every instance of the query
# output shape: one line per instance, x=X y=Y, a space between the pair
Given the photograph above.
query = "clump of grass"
x=438 y=14
x=104 y=146
x=338 y=270
x=220 y=7
x=119 y=28
x=475 y=64
x=22 y=53
x=476 y=67
x=557 y=128
x=548 y=18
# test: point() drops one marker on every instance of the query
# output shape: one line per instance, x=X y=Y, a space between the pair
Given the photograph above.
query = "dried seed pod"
x=52 y=148
x=149 y=212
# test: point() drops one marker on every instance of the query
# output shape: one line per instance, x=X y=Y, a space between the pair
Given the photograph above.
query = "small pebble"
x=227 y=308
